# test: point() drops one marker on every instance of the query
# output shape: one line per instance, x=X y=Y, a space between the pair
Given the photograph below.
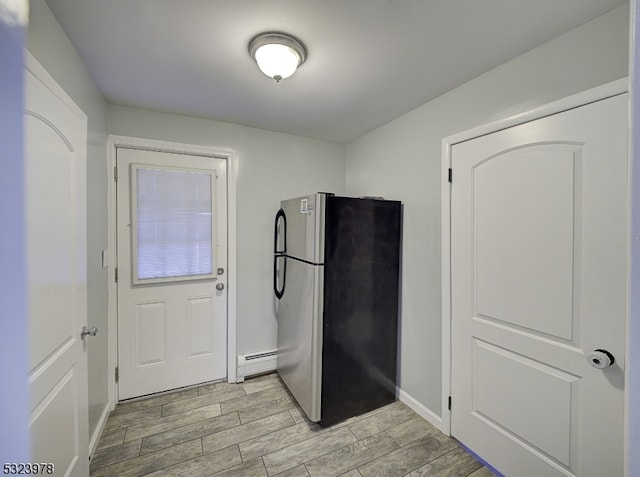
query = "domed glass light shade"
x=278 y=55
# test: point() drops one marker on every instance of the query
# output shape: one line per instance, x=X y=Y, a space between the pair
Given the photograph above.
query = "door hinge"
x=116 y=275
x=115 y=174
x=449 y=403
x=117 y=374
x=450 y=175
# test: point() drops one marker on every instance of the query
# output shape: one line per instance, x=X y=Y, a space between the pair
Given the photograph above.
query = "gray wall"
x=633 y=353
x=48 y=43
x=271 y=167
x=402 y=160
x=14 y=358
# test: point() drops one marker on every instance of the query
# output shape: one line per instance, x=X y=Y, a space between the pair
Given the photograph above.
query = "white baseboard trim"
x=421 y=410
x=255 y=363
x=102 y=422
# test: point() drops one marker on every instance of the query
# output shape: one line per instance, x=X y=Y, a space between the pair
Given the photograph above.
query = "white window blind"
x=173 y=224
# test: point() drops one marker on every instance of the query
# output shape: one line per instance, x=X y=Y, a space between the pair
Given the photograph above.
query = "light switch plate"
x=105 y=258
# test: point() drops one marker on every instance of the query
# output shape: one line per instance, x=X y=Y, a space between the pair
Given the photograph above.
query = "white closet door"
x=55 y=158
x=539 y=281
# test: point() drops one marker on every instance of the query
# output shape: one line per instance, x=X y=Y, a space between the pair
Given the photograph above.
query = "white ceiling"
x=369 y=61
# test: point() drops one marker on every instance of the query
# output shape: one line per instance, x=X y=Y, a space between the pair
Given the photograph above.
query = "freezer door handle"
x=280 y=215
x=279 y=292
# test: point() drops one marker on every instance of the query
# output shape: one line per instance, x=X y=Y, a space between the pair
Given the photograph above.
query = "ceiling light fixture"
x=278 y=55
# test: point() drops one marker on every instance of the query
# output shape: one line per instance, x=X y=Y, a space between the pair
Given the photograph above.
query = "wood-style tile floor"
x=255 y=429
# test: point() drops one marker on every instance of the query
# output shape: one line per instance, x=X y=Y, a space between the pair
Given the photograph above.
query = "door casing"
x=585 y=97
x=229 y=155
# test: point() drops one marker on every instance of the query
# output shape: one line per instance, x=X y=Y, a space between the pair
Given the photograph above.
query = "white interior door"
x=55 y=159
x=172 y=263
x=539 y=281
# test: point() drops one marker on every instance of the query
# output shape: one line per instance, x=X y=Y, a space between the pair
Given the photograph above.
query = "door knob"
x=220 y=286
x=600 y=358
x=88 y=331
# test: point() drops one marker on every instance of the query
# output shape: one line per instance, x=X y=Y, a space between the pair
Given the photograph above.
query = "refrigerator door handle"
x=279 y=253
x=279 y=293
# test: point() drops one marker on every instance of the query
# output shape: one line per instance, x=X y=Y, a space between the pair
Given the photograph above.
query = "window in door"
x=172 y=224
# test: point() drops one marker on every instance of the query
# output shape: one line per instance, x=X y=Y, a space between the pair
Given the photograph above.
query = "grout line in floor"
x=290 y=412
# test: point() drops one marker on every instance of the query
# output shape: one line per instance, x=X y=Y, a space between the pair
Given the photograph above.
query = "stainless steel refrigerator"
x=336 y=280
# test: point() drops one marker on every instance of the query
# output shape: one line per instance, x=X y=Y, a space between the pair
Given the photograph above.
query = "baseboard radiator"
x=255 y=363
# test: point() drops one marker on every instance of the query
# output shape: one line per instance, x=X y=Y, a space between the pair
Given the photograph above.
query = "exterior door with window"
x=172 y=260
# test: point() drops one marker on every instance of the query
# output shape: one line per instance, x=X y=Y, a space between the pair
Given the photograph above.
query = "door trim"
x=113 y=142
x=582 y=98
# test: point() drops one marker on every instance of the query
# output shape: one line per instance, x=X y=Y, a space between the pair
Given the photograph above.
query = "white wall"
x=48 y=43
x=271 y=166
x=402 y=160
x=14 y=358
x=633 y=353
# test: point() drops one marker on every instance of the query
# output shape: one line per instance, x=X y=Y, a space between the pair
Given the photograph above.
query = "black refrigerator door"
x=360 y=325
x=279 y=254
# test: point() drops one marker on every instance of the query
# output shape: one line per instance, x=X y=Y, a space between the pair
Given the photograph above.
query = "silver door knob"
x=88 y=331
x=600 y=358
x=220 y=286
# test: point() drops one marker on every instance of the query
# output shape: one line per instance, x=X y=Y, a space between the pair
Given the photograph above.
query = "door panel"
x=539 y=241
x=519 y=228
x=544 y=390
x=200 y=330
x=55 y=161
x=151 y=325
x=172 y=320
